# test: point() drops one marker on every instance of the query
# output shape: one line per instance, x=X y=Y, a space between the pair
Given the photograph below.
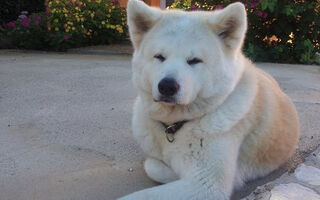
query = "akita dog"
x=206 y=117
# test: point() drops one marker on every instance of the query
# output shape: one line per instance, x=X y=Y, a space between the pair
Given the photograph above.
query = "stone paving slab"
x=65 y=125
x=301 y=184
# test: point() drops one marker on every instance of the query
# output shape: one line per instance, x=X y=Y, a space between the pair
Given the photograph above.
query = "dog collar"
x=170 y=130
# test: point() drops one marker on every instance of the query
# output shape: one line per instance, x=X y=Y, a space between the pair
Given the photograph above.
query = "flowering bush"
x=27 y=31
x=10 y=9
x=278 y=31
x=66 y=24
x=85 y=22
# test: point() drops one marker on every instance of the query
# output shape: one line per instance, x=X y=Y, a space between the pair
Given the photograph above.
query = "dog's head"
x=181 y=57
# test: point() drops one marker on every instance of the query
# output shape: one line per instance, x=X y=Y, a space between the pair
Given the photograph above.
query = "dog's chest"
x=189 y=145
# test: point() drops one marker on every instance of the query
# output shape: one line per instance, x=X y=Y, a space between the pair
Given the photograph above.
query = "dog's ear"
x=141 y=18
x=230 y=24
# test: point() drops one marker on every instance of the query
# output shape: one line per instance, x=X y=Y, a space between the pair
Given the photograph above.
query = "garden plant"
x=278 y=31
x=285 y=31
x=68 y=23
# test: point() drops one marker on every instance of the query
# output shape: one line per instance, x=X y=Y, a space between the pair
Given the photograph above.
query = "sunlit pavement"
x=65 y=125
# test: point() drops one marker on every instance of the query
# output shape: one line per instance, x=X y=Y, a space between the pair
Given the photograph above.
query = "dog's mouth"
x=166 y=100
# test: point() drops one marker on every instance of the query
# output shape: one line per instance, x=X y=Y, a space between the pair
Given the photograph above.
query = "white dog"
x=207 y=119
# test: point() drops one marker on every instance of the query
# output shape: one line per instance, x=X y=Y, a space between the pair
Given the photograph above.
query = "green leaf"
x=250 y=49
x=264 y=4
x=272 y=4
x=288 y=10
x=307 y=43
x=279 y=49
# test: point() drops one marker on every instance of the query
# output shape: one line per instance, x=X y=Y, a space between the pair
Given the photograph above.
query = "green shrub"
x=86 y=22
x=27 y=32
x=67 y=24
x=10 y=9
x=278 y=31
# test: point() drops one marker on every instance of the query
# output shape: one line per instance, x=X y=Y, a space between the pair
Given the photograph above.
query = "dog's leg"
x=159 y=171
x=210 y=179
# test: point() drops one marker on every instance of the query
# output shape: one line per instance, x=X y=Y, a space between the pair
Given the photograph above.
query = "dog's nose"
x=168 y=87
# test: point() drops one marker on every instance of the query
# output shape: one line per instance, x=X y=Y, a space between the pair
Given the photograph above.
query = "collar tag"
x=170 y=137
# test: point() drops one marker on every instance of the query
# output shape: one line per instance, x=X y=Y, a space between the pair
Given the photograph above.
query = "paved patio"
x=65 y=125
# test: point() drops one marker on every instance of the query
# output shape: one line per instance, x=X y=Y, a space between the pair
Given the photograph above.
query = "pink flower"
x=193 y=7
x=265 y=15
x=65 y=37
x=218 y=7
x=36 y=23
x=25 y=24
x=11 y=24
x=254 y=4
x=259 y=13
x=25 y=20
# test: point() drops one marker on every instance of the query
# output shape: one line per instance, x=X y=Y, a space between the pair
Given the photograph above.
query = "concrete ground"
x=65 y=125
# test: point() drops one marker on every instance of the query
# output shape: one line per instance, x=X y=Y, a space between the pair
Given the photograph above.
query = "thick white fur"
x=241 y=125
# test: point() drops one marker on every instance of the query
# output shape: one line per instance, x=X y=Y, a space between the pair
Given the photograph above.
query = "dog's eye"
x=194 y=61
x=160 y=57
